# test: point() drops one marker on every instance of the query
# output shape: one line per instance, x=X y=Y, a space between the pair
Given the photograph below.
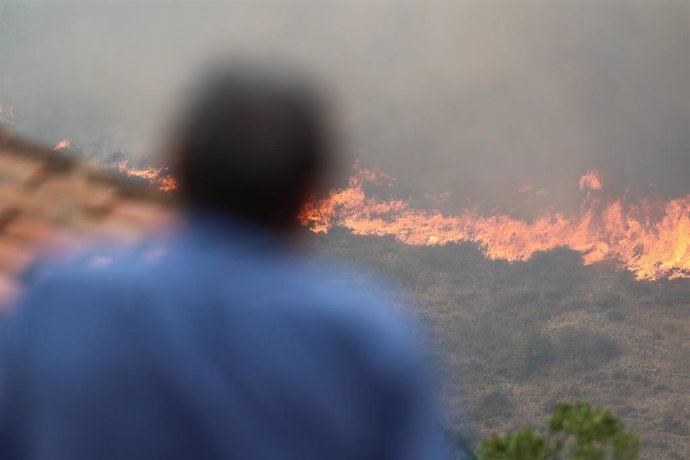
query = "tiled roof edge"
x=55 y=161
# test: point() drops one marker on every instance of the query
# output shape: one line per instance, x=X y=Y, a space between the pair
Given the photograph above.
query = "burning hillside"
x=157 y=176
x=627 y=233
x=651 y=238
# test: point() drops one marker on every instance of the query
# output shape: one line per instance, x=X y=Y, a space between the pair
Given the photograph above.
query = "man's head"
x=252 y=142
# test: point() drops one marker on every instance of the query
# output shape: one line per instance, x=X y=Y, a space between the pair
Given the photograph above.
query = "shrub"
x=608 y=300
x=574 y=432
x=673 y=425
x=615 y=314
x=580 y=348
x=526 y=355
x=495 y=403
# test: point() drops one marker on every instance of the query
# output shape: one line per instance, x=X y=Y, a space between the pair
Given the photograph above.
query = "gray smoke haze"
x=477 y=99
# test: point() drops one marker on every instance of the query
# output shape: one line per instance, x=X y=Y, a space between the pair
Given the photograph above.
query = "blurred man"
x=228 y=344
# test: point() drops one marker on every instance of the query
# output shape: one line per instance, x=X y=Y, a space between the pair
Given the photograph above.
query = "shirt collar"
x=212 y=227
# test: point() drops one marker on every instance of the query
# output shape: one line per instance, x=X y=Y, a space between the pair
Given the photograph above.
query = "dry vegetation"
x=518 y=338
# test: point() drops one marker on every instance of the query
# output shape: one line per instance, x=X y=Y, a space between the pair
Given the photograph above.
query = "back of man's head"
x=252 y=142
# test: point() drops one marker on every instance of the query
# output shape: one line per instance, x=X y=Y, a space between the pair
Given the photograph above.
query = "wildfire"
x=622 y=232
x=63 y=145
x=591 y=181
x=167 y=184
x=155 y=176
x=618 y=231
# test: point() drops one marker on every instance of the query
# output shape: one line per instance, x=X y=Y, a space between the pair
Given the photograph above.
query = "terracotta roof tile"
x=15 y=256
x=50 y=200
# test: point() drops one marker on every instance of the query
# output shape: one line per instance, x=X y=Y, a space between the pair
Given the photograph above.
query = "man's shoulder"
x=356 y=310
x=100 y=276
x=298 y=291
x=107 y=263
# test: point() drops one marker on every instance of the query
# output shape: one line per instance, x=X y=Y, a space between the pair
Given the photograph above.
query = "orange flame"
x=63 y=145
x=167 y=184
x=625 y=233
x=155 y=176
x=591 y=181
x=622 y=232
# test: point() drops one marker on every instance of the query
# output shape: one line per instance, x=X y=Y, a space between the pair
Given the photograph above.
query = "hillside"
x=517 y=338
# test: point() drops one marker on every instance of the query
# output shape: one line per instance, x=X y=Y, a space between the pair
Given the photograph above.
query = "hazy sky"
x=475 y=98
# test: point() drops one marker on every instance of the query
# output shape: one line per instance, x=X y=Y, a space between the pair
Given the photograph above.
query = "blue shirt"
x=217 y=342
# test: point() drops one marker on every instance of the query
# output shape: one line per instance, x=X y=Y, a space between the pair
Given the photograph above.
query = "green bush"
x=574 y=432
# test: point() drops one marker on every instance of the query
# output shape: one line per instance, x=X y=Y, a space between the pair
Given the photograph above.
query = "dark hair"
x=252 y=142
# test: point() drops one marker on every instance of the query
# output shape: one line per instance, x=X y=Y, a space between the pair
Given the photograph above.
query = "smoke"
x=473 y=100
